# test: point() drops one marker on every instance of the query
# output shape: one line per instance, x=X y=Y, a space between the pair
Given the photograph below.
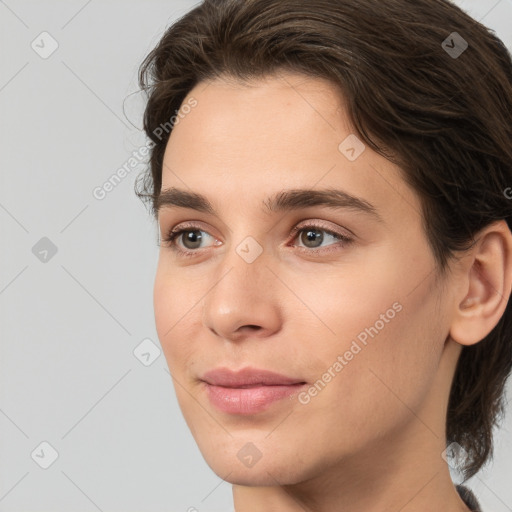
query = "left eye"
x=313 y=236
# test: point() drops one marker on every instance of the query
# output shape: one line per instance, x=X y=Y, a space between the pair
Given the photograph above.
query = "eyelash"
x=173 y=234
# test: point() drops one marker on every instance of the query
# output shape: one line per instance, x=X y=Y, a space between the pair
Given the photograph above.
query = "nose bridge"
x=243 y=275
x=246 y=258
x=242 y=294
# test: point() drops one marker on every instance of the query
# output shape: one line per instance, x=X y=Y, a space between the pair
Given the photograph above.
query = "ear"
x=485 y=280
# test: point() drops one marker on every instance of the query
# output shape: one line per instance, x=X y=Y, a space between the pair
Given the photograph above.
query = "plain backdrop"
x=88 y=416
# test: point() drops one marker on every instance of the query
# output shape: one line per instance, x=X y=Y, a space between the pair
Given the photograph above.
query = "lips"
x=248 y=391
x=247 y=377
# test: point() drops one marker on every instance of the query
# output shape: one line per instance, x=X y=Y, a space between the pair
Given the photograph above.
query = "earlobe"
x=487 y=283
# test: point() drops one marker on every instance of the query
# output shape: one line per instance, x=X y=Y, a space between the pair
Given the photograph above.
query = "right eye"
x=190 y=237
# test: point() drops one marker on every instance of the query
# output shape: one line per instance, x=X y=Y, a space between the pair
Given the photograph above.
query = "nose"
x=242 y=301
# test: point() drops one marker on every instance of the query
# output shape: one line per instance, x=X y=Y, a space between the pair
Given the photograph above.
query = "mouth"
x=248 y=391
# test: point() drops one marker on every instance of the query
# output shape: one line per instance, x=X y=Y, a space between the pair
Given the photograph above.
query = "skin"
x=372 y=439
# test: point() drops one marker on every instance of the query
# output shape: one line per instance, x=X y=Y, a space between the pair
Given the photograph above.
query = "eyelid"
x=326 y=226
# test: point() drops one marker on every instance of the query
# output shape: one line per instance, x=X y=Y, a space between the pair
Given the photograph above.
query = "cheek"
x=173 y=303
x=391 y=374
x=346 y=303
x=381 y=337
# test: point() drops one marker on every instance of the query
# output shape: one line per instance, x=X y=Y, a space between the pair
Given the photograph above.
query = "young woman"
x=330 y=181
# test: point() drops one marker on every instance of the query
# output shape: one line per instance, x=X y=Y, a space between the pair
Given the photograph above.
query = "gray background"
x=70 y=321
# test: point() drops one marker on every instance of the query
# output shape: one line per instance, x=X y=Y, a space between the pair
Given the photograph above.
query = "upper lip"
x=247 y=377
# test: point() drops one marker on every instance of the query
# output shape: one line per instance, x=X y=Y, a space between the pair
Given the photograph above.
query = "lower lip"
x=248 y=400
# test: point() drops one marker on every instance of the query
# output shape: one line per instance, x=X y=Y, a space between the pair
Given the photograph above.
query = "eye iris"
x=312 y=235
x=193 y=237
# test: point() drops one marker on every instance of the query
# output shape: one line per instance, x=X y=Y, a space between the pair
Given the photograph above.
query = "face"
x=332 y=291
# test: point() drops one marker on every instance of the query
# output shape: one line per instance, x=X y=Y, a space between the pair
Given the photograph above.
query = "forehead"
x=287 y=121
x=273 y=133
x=266 y=104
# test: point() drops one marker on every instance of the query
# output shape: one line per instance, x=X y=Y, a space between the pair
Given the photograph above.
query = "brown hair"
x=445 y=119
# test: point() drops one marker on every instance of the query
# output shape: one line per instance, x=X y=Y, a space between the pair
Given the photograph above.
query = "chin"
x=242 y=462
x=263 y=474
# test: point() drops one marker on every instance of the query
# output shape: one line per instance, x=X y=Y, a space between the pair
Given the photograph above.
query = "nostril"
x=253 y=327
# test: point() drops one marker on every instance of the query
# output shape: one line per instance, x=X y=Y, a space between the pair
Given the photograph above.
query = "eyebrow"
x=287 y=200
